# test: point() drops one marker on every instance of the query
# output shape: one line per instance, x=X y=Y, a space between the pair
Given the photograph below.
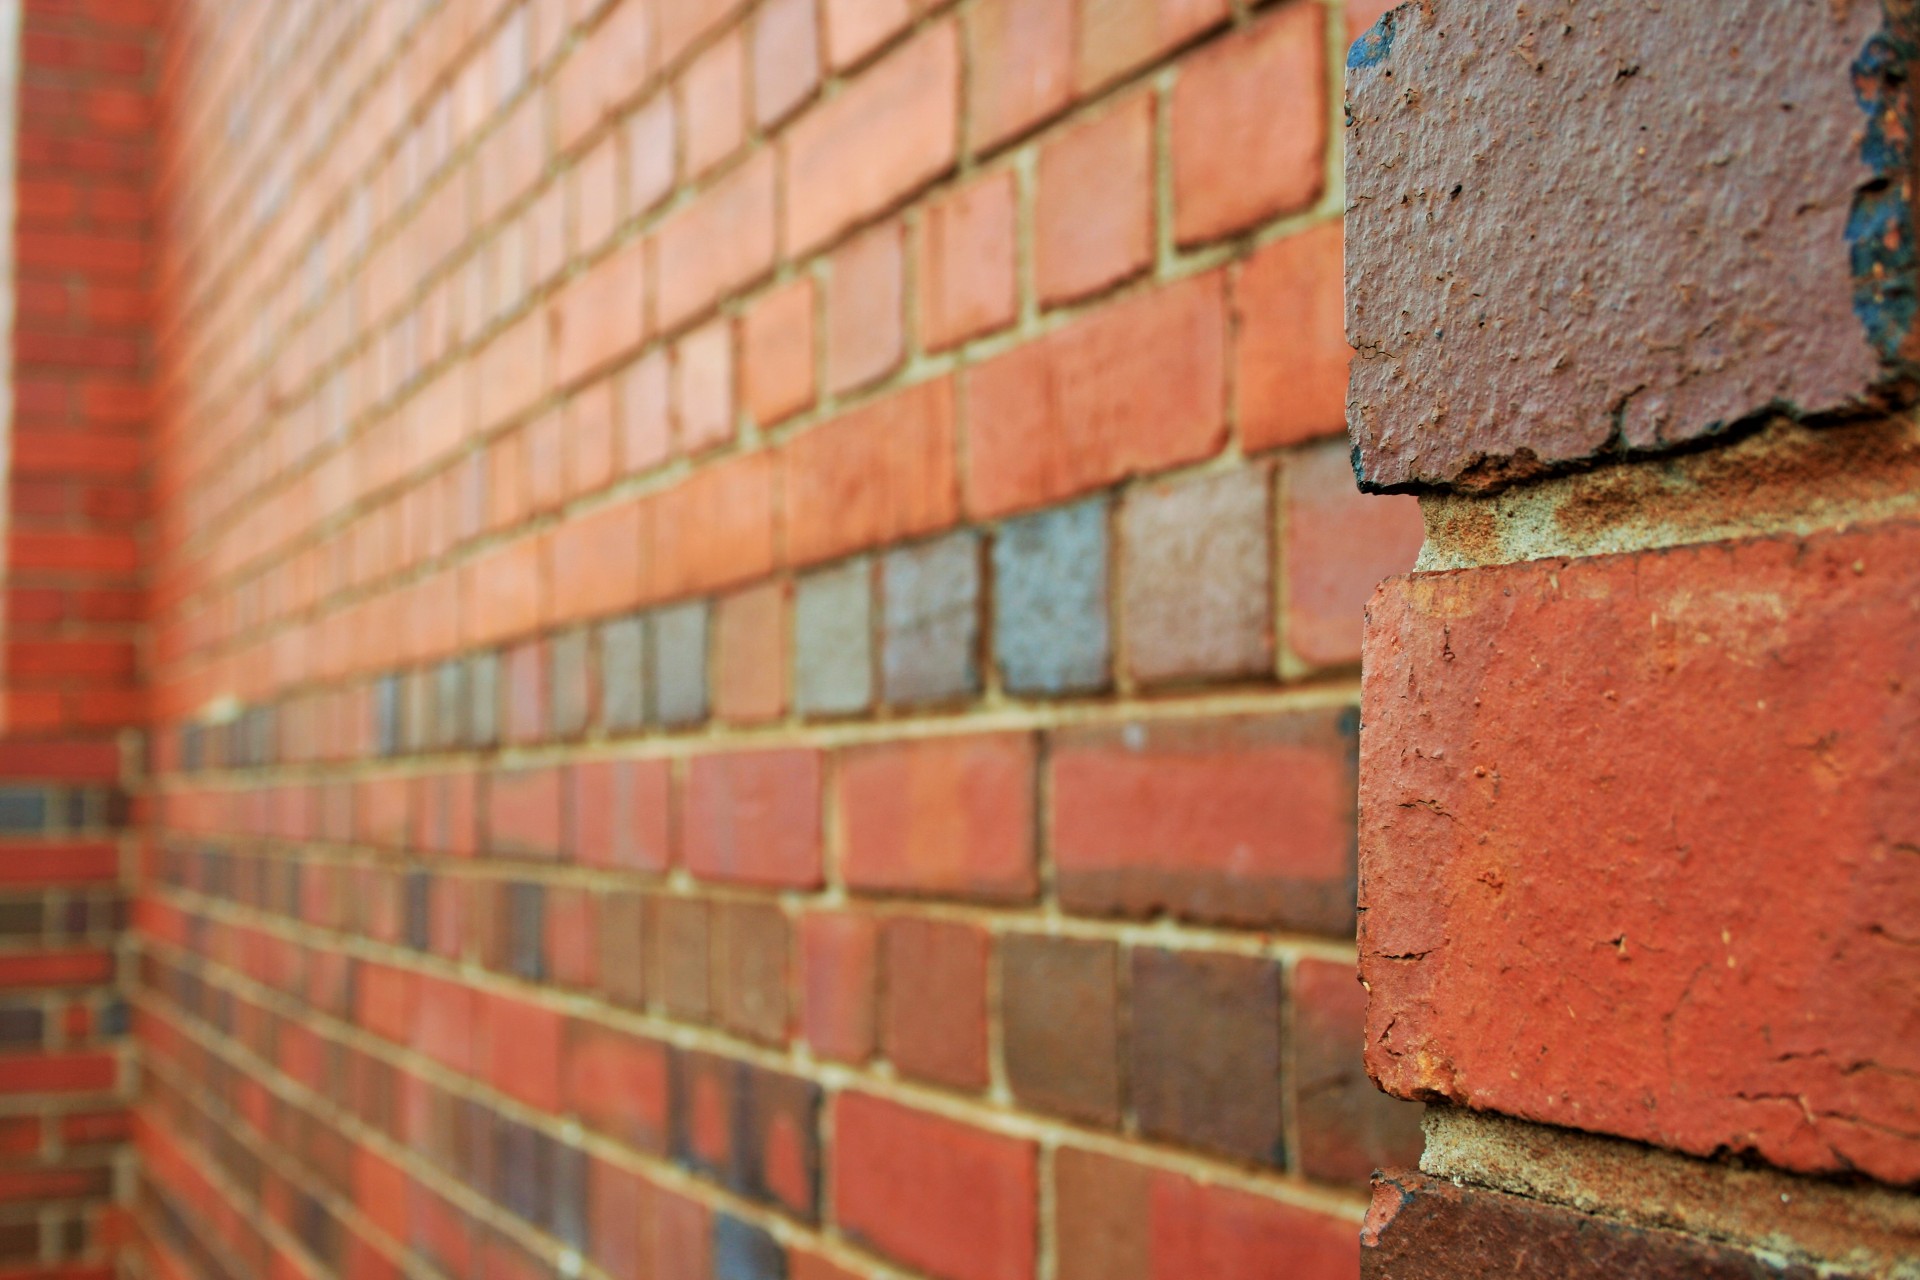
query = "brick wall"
x=755 y=632
x=72 y=668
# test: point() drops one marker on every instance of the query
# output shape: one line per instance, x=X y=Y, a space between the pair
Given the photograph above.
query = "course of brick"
x=755 y=619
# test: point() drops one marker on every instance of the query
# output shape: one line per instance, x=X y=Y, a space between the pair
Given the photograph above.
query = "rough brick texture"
x=664 y=512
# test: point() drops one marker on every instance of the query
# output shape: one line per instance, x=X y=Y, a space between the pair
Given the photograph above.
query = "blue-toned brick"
x=679 y=651
x=1050 y=629
x=743 y=1251
x=569 y=683
x=23 y=808
x=386 y=715
x=833 y=640
x=623 y=674
x=931 y=651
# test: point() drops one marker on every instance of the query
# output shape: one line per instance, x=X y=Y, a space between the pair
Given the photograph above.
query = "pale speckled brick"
x=1050 y=629
x=931 y=615
x=678 y=646
x=623 y=674
x=1197 y=577
x=833 y=640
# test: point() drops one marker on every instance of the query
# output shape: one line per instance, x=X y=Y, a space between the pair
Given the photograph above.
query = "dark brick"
x=1050 y=628
x=1347 y=1127
x=570 y=677
x=678 y=937
x=622 y=947
x=780 y=1153
x=21 y=917
x=1422 y=1228
x=1060 y=1005
x=523 y=1167
x=1206 y=1051
x=24 y=808
x=743 y=1251
x=526 y=930
x=752 y=942
x=930 y=650
x=707 y=1095
x=419 y=896
x=567 y=1213
x=677 y=644
x=1196 y=580
x=20 y=1025
x=833 y=640
x=623 y=674
x=934 y=1011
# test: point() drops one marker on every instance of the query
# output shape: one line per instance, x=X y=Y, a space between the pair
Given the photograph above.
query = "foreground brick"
x=1716 y=711
x=1242 y=821
x=935 y=1194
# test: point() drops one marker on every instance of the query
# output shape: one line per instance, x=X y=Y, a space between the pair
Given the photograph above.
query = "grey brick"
x=483 y=699
x=526 y=911
x=416 y=721
x=386 y=716
x=743 y=1251
x=678 y=645
x=449 y=705
x=24 y=808
x=1050 y=631
x=833 y=640
x=570 y=681
x=623 y=674
x=1196 y=584
x=932 y=620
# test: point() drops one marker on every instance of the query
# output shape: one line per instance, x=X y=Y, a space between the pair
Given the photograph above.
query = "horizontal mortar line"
x=834 y=1078
x=661 y=1172
x=1337 y=690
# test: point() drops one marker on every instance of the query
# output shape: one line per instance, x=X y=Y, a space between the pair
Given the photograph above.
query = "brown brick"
x=934 y=1011
x=623 y=973
x=1347 y=1127
x=1206 y=1051
x=1059 y=1000
x=678 y=932
x=750 y=953
x=1196 y=577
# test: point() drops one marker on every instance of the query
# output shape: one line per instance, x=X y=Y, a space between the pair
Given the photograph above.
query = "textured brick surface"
x=1051 y=633
x=1195 y=577
x=930 y=621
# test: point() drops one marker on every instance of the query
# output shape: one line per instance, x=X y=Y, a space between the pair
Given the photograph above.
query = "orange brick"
x=604 y=72
x=1291 y=356
x=594 y=189
x=866 y=302
x=1093 y=210
x=966 y=282
x=753 y=817
x=719 y=243
x=652 y=167
x=893 y=129
x=646 y=418
x=523 y=1050
x=713 y=104
x=1250 y=126
x=940 y=816
x=1078 y=409
x=501 y=591
x=1118 y=36
x=750 y=668
x=883 y=472
x=703 y=387
x=777 y=353
x=598 y=317
x=1019 y=67
x=786 y=58
x=856 y=28
x=715 y=529
x=595 y=562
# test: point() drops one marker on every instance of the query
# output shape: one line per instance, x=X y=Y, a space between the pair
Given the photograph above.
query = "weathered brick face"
x=746 y=681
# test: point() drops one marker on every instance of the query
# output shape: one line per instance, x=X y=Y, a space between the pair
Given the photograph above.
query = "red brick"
x=617 y=1084
x=1019 y=67
x=752 y=947
x=750 y=655
x=524 y=813
x=58 y=1073
x=753 y=817
x=713 y=103
x=777 y=352
x=1237 y=821
x=894 y=128
x=935 y=1194
x=1655 y=732
x=522 y=1054
x=1076 y=411
x=878 y=474
x=55 y=969
x=646 y=415
x=1118 y=36
x=933 y=1023
x=1338 y=545
x=1347 y=1127
x=1093 y=207
x=940 y=816
x=1250 y=126
x=719 y=243
x=866 y=306
x=1291 y=353
x=620 y=813
x=839 y=970
x=966 y=281
x=597 y=318
x=51 y=864
x=652 y=160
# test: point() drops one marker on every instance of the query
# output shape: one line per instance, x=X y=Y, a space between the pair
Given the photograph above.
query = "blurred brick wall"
x=72 y=672
x=756 y=623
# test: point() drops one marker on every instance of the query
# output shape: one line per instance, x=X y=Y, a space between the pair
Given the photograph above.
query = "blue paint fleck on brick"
x=1050 y=629
x=1372 y=48
x=742 y=1251
x=932 y=620
x=1880 y=224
